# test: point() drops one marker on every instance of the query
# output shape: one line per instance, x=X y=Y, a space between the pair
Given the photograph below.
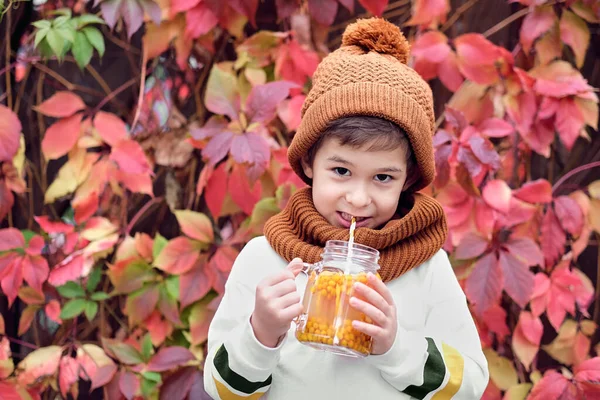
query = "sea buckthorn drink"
x=326 y=322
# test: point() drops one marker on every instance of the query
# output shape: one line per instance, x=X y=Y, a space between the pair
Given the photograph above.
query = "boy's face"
x=350 y=181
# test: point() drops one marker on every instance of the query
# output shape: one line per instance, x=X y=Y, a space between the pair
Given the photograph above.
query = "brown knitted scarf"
x=404 y=243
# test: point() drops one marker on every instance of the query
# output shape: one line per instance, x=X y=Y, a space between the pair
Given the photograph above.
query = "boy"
x=365 y=147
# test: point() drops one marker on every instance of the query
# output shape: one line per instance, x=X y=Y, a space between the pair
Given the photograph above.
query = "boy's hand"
x=378 y=304
x=277 y=304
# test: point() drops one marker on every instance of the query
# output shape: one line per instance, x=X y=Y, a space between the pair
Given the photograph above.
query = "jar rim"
x=357 y=248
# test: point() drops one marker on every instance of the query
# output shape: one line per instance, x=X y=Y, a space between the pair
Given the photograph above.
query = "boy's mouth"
x=345 y=220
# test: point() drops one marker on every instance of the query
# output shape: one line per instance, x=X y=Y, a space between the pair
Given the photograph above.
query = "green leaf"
x=87 y=19
x=99 y=296
x=28 y=234
x=67 y=32
x=126 y=353
x=64 y=12
x=147 y=347
x=91 y=308
x=73 y=308
x=82 y=50
x=40 y=35
x=94 y=279
x=148 y=387
x=56 y=42
x=70 y=290
x=94 y=36
x=42 y=24
x=152 y=376
x=59 y=22
x=172 y=284
x=159 y=243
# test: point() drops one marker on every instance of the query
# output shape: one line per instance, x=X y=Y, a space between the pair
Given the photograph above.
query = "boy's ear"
x=308 y=171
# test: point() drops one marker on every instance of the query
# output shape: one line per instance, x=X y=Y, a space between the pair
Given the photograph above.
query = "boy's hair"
x=372 y=133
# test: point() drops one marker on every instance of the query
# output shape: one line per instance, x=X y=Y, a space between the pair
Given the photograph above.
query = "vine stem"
x=460 y=11
x=140 y=213
x=22 y=343
x=507 y=21
x=7 y=55
x=142 y=88
x=574 y=172
x=597 y=302
x=112 y=94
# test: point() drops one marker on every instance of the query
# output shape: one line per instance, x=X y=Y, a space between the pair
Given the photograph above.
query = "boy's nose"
x=358 y=197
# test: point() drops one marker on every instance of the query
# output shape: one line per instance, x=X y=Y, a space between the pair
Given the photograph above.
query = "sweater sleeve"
x=445 y=360
x=237 y=365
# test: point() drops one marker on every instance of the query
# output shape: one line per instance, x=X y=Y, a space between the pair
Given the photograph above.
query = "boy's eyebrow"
x=341 y=160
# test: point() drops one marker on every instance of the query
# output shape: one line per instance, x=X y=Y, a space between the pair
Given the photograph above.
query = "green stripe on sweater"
x=433 y=376
x=233 y=379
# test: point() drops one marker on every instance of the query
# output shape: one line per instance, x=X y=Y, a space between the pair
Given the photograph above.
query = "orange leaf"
x=178 y=256
x=139 y=305
x=26 y=318
x=240 y=190
x=158 y=328
x=194 y=284
x=535 y=24
x=61 y=136
x=527 y=337
x=10 y=131
x=61 y=104
x=200 y=317
x=575 y=32
x=216 y=190
x=52 y=310
x=195 y=225
x=130 y=157
x=110 y=127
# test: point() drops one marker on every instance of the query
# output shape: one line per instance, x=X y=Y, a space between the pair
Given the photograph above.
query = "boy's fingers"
x=380 y=287
x=295 y=266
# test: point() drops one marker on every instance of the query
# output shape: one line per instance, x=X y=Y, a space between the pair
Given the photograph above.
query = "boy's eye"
x=383 y=177
x=341 y=171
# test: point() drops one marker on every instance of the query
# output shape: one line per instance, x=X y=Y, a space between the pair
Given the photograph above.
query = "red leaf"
x=527 y=337
x=323 y=11
x=218 y=147
x=52 y=310
x=250 y=148
x=194 y=284
x=136 y=183
x=11 y=238
x=69 y=269
x=130 y=157
x=484 y=284
x=195 y=225
x=574 y=32
x=538 y=191
x=200 y=317
x=223 y=259
x=216 y=190
x=289 y=111
x=569 y=122
x=61 y=136
x=7 y=200
x=496 y=128
x=61 y=104
x=35 y=271
x=424 y=12
x=85 y=208
x=553 y=386
x=263 y=100
x=472 y=245
x=111 y=128
x=68 y=374
x=449 y=73
x=485 y=152
x=178 y=385
x=247 y=8
x=167 y=306
x=11 y=275
x=553 y=238
x=295 y=63
x=518 y=280
x=199 y=21
x=170 y=357
x=477 y=57
x=241 y=192
x=376 y=7
x=10 y=132
x=158 y=328
x=26 y=318
x=497 y=194
x=431 y=46
x=527 y=250
x=539 y=298
x=140 y=304
x=177 y=6
x=178 y=256
x=495 y=318
x=559 y=79
x=129 y=384
x=569 y=214
x=535 y=24
x=10 y=390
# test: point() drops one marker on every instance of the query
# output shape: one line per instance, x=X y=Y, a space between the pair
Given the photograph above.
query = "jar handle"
x=306 y=269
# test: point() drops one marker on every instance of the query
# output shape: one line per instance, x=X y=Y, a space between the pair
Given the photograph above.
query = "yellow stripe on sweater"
x=226 y=394
x=455 y=365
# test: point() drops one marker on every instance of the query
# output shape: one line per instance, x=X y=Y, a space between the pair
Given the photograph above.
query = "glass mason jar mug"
x=326 y=322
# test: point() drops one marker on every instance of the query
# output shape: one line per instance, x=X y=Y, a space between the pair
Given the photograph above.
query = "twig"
x=22 y=343
x=140 y=213
x=9 y=101
x=577 y=170
x=113 y=94
x=597 y=302
x=126 y=46
x=42 y=129
x=22 y=90
x=98 y=78
x=66 y=83
x=142 y=87
x=459 y=11
x=505 y=22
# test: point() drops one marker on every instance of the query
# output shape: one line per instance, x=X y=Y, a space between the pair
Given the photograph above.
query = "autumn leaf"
x=39 y=363
x=263 y=100
x=502 y=370
x=221 y=93
x=61 y=104
x=527 y=338
x=71 y=175
x=518 y=280
x=323 y=11
x=250 y=148
x=122 y=351
x=534 y=192
x=199 y=319
x=95 y=365
x=130 y=157
x=170 y=357
x=6 y=363
x=569 y=214
x=553 y=237
x=426 y=12
x=132 y=12
x=61 y=136
x=10 y=131
x=68 y=374
x=194 y=284
x=27 y=317
x=178 y=256
x=484 y=284
x=289 y=111
x=140 y=304
x=477 y=58
x=535 y=24
x=575 y=33
x=242 y=192
x=129 y=383
x=295 y=63
x=497 y=194
x=571 y=346
x=195 y=225
x=111 y=128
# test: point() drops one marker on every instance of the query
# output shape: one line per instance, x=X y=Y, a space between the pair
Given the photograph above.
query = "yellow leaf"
x=588 y=327
x=518 y=392
x=535 y=376
x=594 y=215
x=97 y=228
x=589 y=110
x=39 y=363
x=19 y=158
x=502 y=370
x=570 y=346
x=594 y=189
x=71 y=175
x=575 y=32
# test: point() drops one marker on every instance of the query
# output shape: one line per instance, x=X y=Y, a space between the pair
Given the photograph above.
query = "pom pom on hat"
x=378 y=35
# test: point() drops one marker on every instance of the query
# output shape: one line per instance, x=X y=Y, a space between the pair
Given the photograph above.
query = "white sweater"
x=436 y=355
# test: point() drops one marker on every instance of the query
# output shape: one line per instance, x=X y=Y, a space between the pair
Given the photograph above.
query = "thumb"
x=295 y=266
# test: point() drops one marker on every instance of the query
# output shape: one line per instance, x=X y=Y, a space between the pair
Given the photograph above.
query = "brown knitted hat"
x=368 y=75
